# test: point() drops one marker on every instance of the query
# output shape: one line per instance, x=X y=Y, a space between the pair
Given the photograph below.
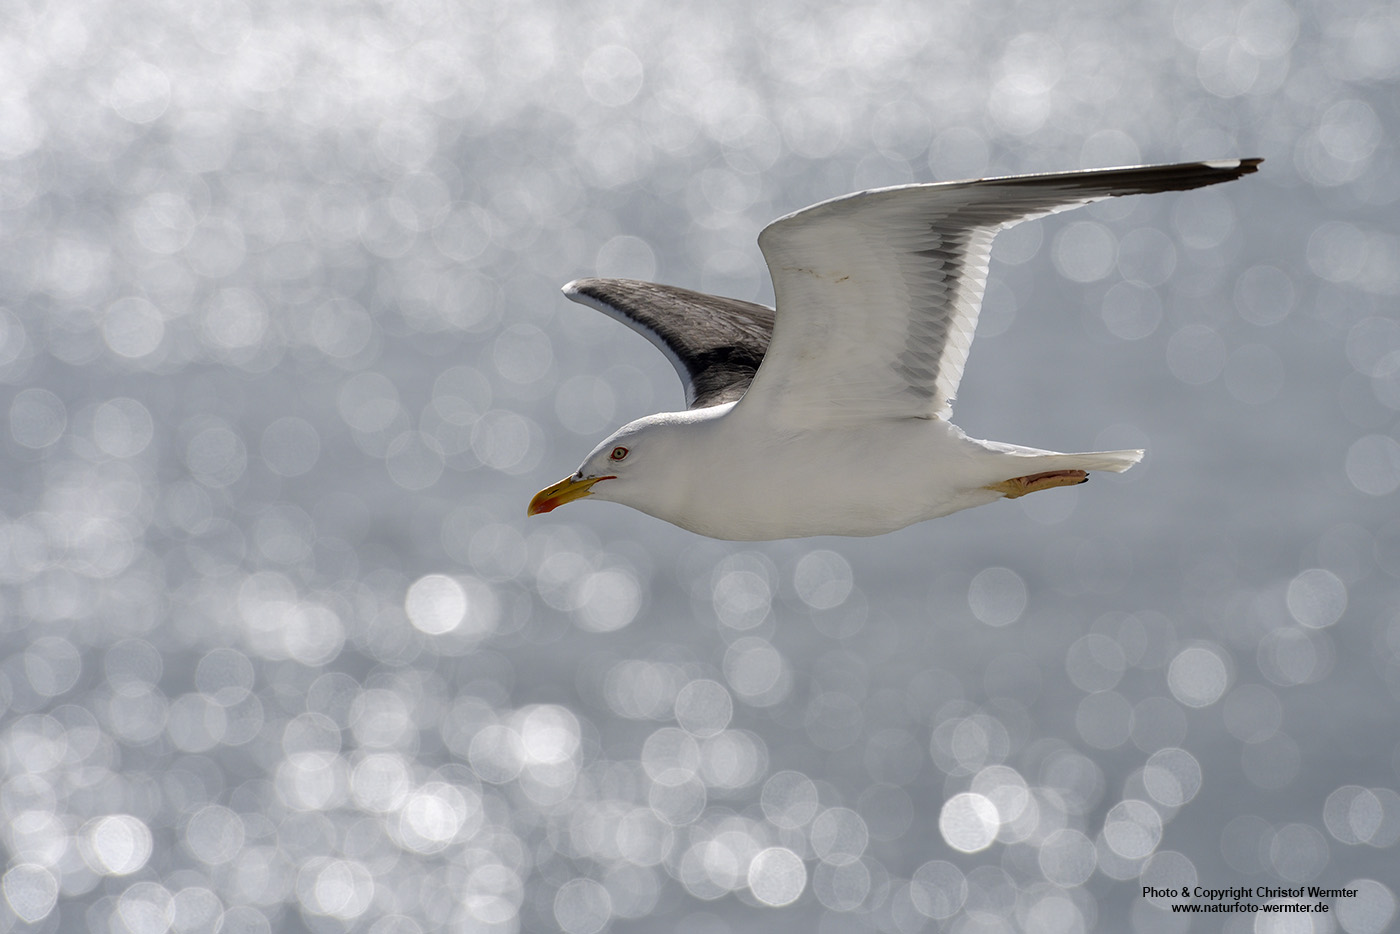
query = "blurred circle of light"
x=122 y=427
x=116 y=845
x=338 y=888
x=195 y=723
x=612 y=75
x=380 y=718
x=1131 y=312
x=414 y=460
x=1353 y=814
x=1298 y=852
x=733 y=759
x=1370 y=912
x=436 y=814
x=1172 y=777
x=435 y=604
x=139 y=92
x=1244 y=842
x=789 y=799
x=997 y=596
x=225 y=675
x=549 y=734
x=1291 y=656
x=1264 y=295
x=507 y=441
x=742 y=592
x=1133 y=829
x=1005 y=788
x=842 y=888
x=964 y=745
x=755 y=670
x=146 y=907
x=380 y=782
x=523 y=354
x=1317 y=598
x=608 y=600
x=1196 y=354
x=582 y=906
x=670 y=756
x=52 y=665
x=938 y=889
x=1085 y=251
x=290 y=446
x=644 y=838
x=216 y=455
x=1370 y=342
x=233 y=323
x=777 y=876
x=968 y=822
x=839 y=836
x=703 y=707
x=31 y=891
x=1095 y=662
x=642 y=690
x=1169 y=869
x=200 y=909
x=1067 y=858
x=626 y=257
x=1146 y=257
x=311 y=781
x=496 y=754
x=214 y=835
x=1252 y=713
x=1373 y=465
x=822 y=579
x=37 y=418
x=1198 y=676
x=133 y=328
x=585 y=404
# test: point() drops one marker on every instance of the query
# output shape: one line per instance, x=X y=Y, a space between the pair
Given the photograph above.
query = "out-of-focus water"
x=283 y=359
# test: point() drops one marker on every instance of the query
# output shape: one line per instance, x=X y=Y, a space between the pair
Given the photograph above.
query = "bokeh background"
x=283 y=359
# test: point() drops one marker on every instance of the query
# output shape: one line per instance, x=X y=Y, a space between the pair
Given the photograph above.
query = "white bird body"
x=830 y=415
x=771 y=483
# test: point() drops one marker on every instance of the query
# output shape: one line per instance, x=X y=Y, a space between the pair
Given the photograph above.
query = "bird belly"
x=859 y=481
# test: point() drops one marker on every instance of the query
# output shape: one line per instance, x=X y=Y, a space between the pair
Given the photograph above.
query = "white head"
x=638 y=465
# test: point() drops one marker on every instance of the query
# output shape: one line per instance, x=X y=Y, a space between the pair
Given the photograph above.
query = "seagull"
x=830 y=413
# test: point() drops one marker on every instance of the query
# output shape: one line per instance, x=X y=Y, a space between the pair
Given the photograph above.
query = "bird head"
x=614 y=470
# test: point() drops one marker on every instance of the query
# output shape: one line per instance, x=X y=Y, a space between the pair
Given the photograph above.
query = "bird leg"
x=1020 y=486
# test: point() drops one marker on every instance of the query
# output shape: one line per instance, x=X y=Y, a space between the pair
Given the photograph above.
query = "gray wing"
x=878 y=292
x=715 y=343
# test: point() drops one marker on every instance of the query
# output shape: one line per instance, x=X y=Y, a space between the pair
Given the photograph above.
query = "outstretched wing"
x=715 y=344
x=878 y=292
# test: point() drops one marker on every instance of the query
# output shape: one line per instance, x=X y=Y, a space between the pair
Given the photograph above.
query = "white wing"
x=878 y=292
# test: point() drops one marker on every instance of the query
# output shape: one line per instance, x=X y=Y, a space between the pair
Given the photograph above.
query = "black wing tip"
x=1234 y=168
x=1180 y=176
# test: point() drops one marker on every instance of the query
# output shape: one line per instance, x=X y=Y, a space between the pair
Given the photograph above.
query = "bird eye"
x=618 y=453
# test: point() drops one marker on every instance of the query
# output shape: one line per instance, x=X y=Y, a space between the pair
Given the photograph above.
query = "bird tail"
x=1038 y=460
x=1116 y=461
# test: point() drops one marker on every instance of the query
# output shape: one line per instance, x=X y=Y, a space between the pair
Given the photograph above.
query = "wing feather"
x=715 y=344
x=878 y=292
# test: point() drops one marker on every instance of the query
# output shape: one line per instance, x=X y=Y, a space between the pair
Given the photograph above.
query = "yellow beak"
x=565 y=491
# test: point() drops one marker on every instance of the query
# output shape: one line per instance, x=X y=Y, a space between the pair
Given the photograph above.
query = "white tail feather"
x=1116 y=461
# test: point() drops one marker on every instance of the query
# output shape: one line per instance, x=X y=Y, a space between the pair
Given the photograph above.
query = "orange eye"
x=618 y=453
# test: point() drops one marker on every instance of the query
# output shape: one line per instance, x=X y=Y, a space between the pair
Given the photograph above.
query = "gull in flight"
x=830 y=414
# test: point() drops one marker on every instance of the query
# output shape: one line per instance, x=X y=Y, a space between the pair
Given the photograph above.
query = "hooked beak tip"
x=565 y=491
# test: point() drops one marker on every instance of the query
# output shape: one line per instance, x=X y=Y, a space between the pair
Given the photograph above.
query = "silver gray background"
x=284 y=358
